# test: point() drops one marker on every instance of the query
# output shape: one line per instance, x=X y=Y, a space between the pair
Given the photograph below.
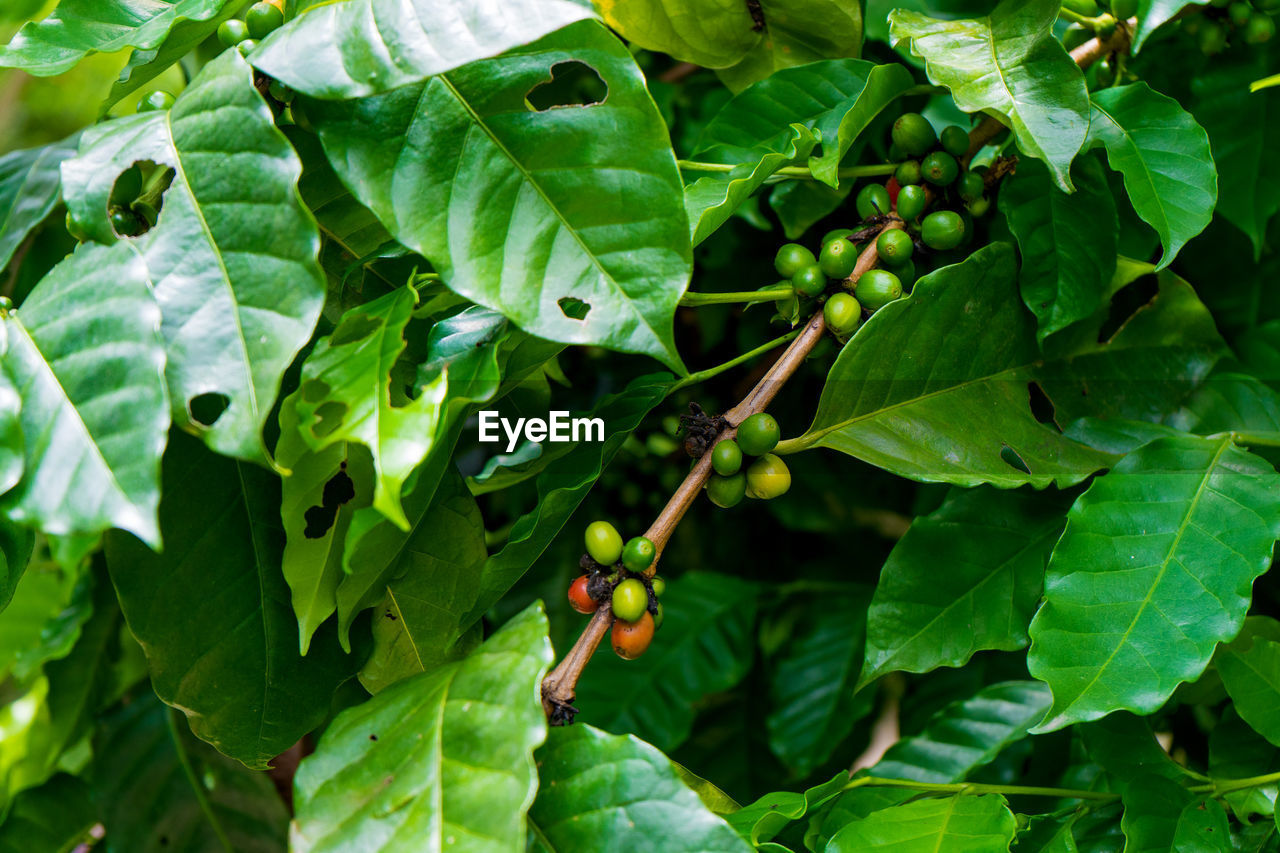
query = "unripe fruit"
x=726 y=458
x=758 y=434
x=873 y=200
x=911 y=202
x=942 y=230
x=1260 y=29
x=75 y=229
x=1212 y=38
x=954 y=141
x=1239 y=12
x=835 y=234
x=877 y=288
x=971 y=186
x=247 y=46
x=631 y=639
x=638 y=554
x=232 y=32
x=657 y=617
x=579 y=600
x=843 y=314
x=906 y=274
x=838 y=258
x=810 y=281
x=127 y=187
x=894 y=247
x=659 y=586
x=940 y=168
x=727 y=491
x=155 y=101
x=604 y=545
x=1088 y=8
x=263 y=19
x=630 y=599
x=125 y=223
x=978 y=206
x=791 y=258
x=913 y=134
x=908 y=173
x=1124 y=9
x=768 y=478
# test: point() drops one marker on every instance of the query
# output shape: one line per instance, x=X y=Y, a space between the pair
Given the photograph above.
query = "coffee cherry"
x=835 y=234
x=873 y=200
x=232 y=32
x=954 y=141
x=247 y=46
x=768 y=478
x=1260 y=29
x=127 y=187
x=943 y=229
x=657 y=616
x=659 y=586
x=263 y=19
x=1212 y=38
x=911 y=202
x=908 y=173
x=838 y=258
x=630 y=599
x=906 y=274
x=1106 y=29
x=126 y=223
x=970 y=186
x=155 y=101
x=631 y=639
x=810 y=281
x=913 y=134
x=280 y=92
x=978 y=206
x=638 y=554
x=726 y=457
x=791 y=258
x=877 y=288
x=758 y=434
x=1240 y=12
x=1124 y=9
x=75 y=229
x=579 y=600
x=894 y=247
x=843 y=314
x=940 y=168
x=727 y=492
x=604 y=545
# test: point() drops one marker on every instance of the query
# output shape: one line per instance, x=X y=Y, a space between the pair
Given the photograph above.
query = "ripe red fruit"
x=893 y=186
x=579 y=600
x=630 y=639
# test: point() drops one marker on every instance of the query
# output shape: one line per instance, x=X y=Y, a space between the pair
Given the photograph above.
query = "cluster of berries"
x=615 y=572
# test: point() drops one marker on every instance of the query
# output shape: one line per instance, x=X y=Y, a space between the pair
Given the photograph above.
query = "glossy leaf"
x=1236 y=751
x=54 y=817
x=16 y=544
x=78 y=28
x=220 y=249
x=813 y=678
x=214 y=617
x=960 y=824
x=442 y=758
x=30 y=181
x=1067 y=241
x=1189 y=562
x=1160 y=815
x=85 y=356
x=704 y=647
x=366 y=47
x=1152 y=14
x=710 y=33
x=509 y=205
x=184 y=795
x=1250 y=670
x=954 y=410
x=1009 y=65
x=1125 y=746
x=595 y=786
x=1164 y=157
x=796 y=32
x=147 y=63
x=11 y=455
x=995 y=546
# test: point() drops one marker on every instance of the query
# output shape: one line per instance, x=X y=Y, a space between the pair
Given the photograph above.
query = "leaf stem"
x=977 y=788
x=1263 y=439
x=1223 y=786
x=801 y=172
x=711 y=372
x=693 y=299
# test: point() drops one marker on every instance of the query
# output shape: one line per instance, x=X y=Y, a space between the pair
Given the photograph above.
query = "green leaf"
x=213 y=612
x=29 y=185
x=710 y=33
x=1152 y=14
x=48 y=608
x=1067 y=241
x=1189 y=562
x=11 y=458
x=961 y=824
x=596 y=788
x=1125 y=746
x=55 y=817
x=220 y=250
x=367 y=47
x=420 y=622
x=1236 y=751
x=346 y=396
x=957 y=408
x=439 y=759
x=508 y=203
x=799 y=205
x=995 y=545
x=78 y=28
x=761 y=821
x=1250 y=670
x=160 y=789
x=1160 y=815
x=85 y=354
x=1008 y=65
x=16 y=544
x=705 y=646
x=1164 y=157
x=813 y=706
x=838 y=98
x=796 y=32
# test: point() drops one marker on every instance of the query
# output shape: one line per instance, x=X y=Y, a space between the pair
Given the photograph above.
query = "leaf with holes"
x=510 y=205
x=1008 y=65
x=1164 y=157
x=963 y=824
x=30 y=182
x=220 y=249
x=1189 y=561
x=85 y=355
x=957 y=411
x=442 y=757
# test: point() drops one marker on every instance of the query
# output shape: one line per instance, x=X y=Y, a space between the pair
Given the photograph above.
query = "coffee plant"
x=364 y=365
